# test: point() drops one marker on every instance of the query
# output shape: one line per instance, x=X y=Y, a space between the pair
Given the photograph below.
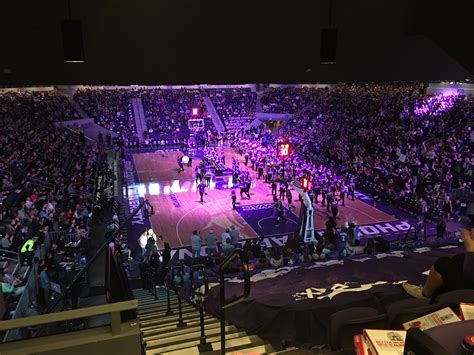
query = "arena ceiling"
x=208 y=41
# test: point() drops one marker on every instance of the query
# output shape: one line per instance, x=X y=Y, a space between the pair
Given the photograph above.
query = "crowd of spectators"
x=236 y=103
x=287 y=99
x=372 y=132
x=110 y=108
x=167 y=111
x=41 y=105
x=46 y=192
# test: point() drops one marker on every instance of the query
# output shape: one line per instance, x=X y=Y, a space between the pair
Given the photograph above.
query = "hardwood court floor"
x=178 y=210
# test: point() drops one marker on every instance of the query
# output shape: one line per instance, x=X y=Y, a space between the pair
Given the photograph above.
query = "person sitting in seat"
x=448 y=274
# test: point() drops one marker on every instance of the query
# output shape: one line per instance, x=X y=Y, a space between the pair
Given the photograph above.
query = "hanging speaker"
x=328 y=46
x=72 y=41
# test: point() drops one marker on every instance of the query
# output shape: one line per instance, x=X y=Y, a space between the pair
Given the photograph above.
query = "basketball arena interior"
x=264 y=177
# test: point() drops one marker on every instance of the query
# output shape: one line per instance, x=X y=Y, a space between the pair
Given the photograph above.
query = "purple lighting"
x=436 y=105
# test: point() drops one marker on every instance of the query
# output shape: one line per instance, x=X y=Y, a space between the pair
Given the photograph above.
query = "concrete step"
x=173 y=327
x=186 y=330
x=172 y=339
x=162 y=314
x=162 y=303
x=293 y=351
x=155 y=304
x=170 y=320
x=187 y=347
x=162 y=309
x=234 y=343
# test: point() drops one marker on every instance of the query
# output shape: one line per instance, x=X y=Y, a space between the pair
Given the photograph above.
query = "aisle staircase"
x=161 y=333
x=139 y=115
x=216 y=120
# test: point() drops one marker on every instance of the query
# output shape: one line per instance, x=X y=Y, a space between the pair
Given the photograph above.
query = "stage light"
x=185 y=159
x=328 y=46
x=72 y=41
x=195 y=111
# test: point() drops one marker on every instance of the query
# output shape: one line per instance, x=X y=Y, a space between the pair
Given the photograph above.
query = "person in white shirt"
x=143 y=241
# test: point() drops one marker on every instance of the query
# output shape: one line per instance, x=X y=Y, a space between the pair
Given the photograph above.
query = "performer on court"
x=274 y=188
x=208 y=177
x=180 y=164
x=202 y=190
x=334 y=208
x=248 y=184
x=233 y=197
x=281 y=214
x=342 y=194
x=289 y=198
x=351 y=190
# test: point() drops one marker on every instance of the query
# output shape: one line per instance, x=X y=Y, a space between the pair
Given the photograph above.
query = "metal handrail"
x=177 y=290
x=168 y=286
x=203 y=346
x=245 y=265
x=91 y=260
x=226 y=304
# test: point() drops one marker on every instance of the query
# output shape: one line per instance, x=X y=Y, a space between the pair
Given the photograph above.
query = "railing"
x=198 y=298
x=27 y=297
x=226 y=304
x=114 y=309
x=177 y=289
x=168 y=285
x=11 y=256
x=65 y=235
x=66 y=290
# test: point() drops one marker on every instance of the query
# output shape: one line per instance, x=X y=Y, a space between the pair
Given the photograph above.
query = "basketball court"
x=178 y=210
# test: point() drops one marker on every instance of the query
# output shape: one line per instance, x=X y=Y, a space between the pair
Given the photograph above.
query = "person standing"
x=269 y=176
x=202 y=190
x=226 y=240
x=45 y=286
x=208 y=177
x=180 y=164
x=342 y=195
x=281 y=214
x=334 y=208
x=235 y=235
x=233 y=197
x=190 y=161
x=329 y=199
x=282 y=191
x=198 y=171
x=289 y=198
x=352 y=189
x=447 y=208
x=143 y=241
x=196 y=244
x=248 y=184
x=274 y=188
x=211 y=243
x=260 y=170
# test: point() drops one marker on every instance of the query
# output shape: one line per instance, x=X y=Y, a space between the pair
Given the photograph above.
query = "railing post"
x=222 y=315
x=116 y=323
x=168 y=311
x=223 y=303
x=180 y=313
